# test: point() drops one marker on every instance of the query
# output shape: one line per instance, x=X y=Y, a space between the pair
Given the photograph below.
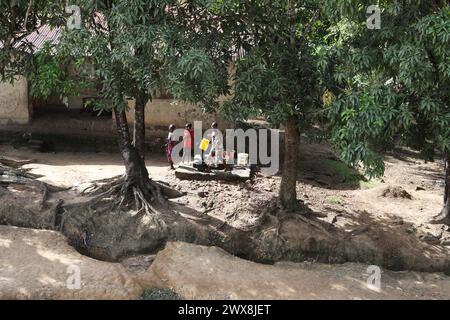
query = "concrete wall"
x=14 y=108
x=160 y=113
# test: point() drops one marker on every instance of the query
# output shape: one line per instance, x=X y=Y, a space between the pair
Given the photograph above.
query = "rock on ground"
x=36 y=264
x=199 y=272
x=395 y=192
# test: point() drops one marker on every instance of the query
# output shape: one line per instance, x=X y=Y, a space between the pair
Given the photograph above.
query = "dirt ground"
x=391 y=210
x=322 y=187
x=326 y=187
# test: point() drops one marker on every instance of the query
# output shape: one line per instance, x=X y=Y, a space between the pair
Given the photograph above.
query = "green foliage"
x=47 y=75
x=194 y=77
x=348 y=175
x=393 y=84
x=18 y=19
x=277 y=76
x=139 y=47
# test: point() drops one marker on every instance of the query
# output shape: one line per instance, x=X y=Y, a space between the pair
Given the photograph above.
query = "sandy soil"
x=37 y=264
x=325 y=191
x=321 y=188
x=198 y=272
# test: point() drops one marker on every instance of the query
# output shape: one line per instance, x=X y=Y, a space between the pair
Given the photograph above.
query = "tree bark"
x=139 y=125
x=444 y=216
x=288 y=187
x=446 y=210
x=136 y=172
x=135 y=189
x=288 y=192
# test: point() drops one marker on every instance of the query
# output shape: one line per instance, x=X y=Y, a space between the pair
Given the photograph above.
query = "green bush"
x=160 y=294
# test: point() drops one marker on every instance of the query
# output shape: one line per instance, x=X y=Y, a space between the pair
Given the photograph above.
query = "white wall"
x=14 y=102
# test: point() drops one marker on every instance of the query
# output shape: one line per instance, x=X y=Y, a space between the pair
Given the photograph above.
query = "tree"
x=391 y=84
x=278 y=77
x=132 y=49
x=18 y=19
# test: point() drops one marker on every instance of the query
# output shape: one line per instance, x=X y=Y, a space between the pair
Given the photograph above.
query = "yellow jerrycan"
x=204 y=144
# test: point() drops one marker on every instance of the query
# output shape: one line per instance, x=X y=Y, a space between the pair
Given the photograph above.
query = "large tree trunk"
x=139 y=125
x=444 y=216
x=446 y=209
x=137 y=188
x=288 y=193
x=134 y=164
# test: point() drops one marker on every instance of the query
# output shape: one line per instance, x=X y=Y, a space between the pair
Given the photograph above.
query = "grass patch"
x=348 y=175
x=160 y=294
x=369 y=184
x=335 y=200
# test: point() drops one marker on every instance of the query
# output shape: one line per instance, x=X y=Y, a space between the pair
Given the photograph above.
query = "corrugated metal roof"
x=43 y=35
x=38 y=38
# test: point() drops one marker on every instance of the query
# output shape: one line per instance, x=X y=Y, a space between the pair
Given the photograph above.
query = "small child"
x=216 y=145
x=170 y=144
x=188 y=143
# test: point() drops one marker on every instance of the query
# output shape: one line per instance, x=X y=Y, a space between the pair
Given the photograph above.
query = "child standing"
x=170 y=144
x=188 y=142
x=216 y=145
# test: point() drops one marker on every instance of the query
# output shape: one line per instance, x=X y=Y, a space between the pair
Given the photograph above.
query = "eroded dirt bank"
x=198 y=272
x=37 y=264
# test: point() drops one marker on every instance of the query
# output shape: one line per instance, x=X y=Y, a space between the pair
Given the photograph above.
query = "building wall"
x=160 y=113
x=14 y=107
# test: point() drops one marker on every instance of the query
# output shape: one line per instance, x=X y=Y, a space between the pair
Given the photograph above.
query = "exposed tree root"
x=442 y=218
x=104 y=185
x=146 y=196
x=4 y=170
x=3 y=190
x=275 y=211
x=15 y=163
x=278 y=234
x=270 y=210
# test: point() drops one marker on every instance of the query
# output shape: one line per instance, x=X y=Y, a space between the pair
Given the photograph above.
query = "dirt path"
x=75 y=169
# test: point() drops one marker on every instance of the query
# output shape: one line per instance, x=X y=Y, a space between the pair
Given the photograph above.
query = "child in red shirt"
x=188 y=143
